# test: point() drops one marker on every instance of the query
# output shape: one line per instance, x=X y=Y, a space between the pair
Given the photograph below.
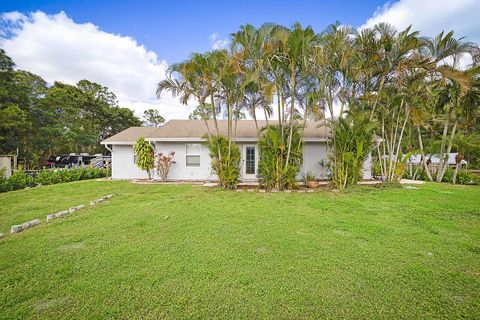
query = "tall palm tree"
x=444 y=53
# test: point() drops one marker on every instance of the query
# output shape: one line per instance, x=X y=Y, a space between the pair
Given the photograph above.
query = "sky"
x=128 y=45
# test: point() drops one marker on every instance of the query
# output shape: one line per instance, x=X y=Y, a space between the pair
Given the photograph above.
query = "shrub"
x=273 y=171
x=465 y=177
x=21 y=180
x=164 y=162
x=448 y=175
x=225 y=162
x=308 y=176
x=18 y=180
x=350 y=145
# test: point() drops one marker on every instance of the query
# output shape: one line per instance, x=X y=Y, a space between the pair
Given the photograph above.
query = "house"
x=434 y=160
x=187 y=139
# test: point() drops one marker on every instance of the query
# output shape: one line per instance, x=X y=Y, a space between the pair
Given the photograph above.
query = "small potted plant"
x=310 y=179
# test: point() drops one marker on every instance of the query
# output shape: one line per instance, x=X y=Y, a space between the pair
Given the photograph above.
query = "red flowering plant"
x=163 y=163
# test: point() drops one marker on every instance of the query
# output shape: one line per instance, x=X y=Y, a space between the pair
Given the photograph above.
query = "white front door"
x=250 y=162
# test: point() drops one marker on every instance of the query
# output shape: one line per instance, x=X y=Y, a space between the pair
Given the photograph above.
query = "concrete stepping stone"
x=24 y=226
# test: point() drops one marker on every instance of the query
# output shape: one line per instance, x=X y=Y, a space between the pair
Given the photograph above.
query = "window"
x=250 y=160
x=193 y=155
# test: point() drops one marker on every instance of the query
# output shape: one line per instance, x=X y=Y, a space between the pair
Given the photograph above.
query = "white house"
x=187 y=139
x=434 y=160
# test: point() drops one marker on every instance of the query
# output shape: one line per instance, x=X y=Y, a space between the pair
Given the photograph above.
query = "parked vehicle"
x=73 y=160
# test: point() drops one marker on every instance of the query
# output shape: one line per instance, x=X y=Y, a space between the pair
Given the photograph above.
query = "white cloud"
x=430 y=17
x=57 y=48
x=218 y=42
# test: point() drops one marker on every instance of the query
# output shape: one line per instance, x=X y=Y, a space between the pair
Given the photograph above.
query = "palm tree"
x=188 y=80
x=444 y=53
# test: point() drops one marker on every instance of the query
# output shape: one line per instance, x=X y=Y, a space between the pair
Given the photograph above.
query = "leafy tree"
x=153 y=118
x=144 y=156
x=14 y=122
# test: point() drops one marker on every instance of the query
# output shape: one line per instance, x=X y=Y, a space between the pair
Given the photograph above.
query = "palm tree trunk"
x=454 y=178
x=372 y=113
x=214 y=113
x=442 y=148
x=279 y=109
x=266 y=115
x=449 y=148
x=422 y=152
x=292 y=110
x=254 y=115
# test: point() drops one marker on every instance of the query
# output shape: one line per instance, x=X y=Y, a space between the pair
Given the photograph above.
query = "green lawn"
x=181 y=251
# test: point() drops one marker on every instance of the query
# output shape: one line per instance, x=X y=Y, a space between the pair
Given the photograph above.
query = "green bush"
x=21 y=180
x=273 y=171
x=465 y=177
x=18 y=180
x=350 y=145
x=448 y=175
x=225 y=164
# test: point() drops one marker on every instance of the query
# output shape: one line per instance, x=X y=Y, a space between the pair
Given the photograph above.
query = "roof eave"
x=117 y=142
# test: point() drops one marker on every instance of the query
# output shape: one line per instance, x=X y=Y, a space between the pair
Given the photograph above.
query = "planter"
x=313 y=184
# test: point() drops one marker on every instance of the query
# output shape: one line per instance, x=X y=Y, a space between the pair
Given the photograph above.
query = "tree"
x=144 y=156
x=153 y=118
x=409 y=87
x=14 y=121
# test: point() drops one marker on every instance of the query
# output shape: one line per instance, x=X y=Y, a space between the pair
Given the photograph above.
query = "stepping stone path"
x=57 y=215
x=73 y=209
x=36 y=222
x=94 y=202
x=24 y=226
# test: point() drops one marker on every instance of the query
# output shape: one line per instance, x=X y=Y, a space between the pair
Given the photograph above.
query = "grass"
x=180 y=251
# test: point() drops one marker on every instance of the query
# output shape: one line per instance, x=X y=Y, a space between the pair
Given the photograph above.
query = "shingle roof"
x=245 y=129
x=185 y=129
x=129 y=136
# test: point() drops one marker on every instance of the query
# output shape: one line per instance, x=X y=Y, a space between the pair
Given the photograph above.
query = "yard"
x=181 y=251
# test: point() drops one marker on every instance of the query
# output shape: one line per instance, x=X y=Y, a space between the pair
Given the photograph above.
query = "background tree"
x=40 y=120
x=153 y=118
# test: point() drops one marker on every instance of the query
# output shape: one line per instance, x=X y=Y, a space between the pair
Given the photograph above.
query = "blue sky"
x=128 y=45
x=173 y=29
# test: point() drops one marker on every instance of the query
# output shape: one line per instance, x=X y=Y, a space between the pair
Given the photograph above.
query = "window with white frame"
x=192 y=153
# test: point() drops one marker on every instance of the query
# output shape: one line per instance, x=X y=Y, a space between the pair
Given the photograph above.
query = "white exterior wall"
x=313 y=153
x=316 y=151
x=123 y=165
x=180 y=171
x=367 y=168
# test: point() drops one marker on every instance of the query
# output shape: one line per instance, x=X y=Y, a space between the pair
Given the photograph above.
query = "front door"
x=250 y=162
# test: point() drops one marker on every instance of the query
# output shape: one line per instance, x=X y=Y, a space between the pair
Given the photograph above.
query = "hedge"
x=21 y=180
